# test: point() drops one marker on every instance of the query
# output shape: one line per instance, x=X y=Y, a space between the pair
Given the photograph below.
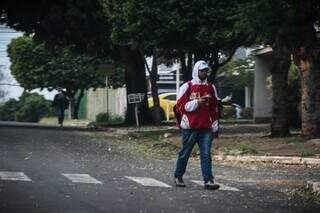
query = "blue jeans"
x=204 y=138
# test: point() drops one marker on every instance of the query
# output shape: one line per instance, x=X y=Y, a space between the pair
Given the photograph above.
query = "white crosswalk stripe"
x=15 y=176
x=145 y=181
x=81 y=178
x=86 y=178
x=222 y=187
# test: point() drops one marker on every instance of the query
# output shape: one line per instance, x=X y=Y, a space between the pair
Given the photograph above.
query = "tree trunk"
x=310 y=99
x=307 y=58
x=186 y=65
x=77 y=104
x=74 y=103
x=214 y=65
x=184 y=71
x=70 y=96
x=189 y=66
x=156 y=110
x=279 y=71
x=136 y=83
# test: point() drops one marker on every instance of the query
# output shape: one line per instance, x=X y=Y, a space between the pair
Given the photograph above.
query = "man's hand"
x=202 y=101
x=215 y=126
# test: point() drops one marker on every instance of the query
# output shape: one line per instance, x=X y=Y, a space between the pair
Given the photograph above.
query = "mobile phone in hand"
x=206 y=97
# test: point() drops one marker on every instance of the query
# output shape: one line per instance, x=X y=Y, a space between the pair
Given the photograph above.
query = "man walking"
x=60 y=104
x=197 y=102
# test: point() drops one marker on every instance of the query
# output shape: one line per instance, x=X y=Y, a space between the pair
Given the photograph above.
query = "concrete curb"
x=43 y=126
x=314 y=187
x=270 y=159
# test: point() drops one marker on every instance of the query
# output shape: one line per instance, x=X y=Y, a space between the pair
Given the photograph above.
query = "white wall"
x=113 y=101
x=262 y=94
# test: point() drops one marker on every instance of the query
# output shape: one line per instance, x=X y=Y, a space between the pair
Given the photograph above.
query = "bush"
x=106 y=118
x=31 y=107
x=9 y=109
x=228 y=112
x=247 y=113
x=102 y=117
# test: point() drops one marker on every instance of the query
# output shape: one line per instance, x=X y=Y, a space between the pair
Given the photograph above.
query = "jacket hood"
x=199 y=65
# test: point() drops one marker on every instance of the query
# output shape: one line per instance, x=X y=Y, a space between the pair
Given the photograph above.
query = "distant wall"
x=262 y=95
x=113 y=101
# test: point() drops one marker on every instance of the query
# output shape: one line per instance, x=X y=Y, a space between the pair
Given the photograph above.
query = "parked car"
x=166 y=100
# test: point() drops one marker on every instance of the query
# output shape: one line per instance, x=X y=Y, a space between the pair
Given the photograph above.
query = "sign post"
x=136 y=98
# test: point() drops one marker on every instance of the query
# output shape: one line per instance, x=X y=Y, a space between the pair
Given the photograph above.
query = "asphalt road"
x=68 y=171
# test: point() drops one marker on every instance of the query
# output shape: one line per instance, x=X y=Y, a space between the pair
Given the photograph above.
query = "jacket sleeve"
x=183 y=102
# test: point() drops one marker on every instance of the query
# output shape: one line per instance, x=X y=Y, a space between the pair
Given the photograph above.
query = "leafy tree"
x=79 y=23
x=35 y=66
x=306 y=55
x=32 y=107
x=177 y=29
x=273 y=25
x=196 y=29
x=83 y=25
x=29 y=108
x=8 y=110
x=116 y=79
x=238 y=73
x=288 y=26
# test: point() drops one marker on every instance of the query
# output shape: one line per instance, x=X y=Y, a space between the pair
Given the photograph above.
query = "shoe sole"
x=215 y=187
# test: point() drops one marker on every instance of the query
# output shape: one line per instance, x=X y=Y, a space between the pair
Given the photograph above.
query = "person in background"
x=197 y=103
x=60 y=104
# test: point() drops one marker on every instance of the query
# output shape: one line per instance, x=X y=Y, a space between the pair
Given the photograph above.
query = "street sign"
x=134 y=98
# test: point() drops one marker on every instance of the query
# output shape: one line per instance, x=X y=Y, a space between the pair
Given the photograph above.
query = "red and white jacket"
x=195 y=116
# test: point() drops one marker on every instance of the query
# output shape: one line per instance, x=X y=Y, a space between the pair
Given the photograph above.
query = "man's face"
x=203 y=74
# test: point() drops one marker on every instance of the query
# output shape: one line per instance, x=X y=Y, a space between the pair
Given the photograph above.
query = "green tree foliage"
x=31 y=107
x=79 y=23
x=8 y=110
x=36 y=66
x=116 y=79
x=267 y=19
x=238 y=73
x=204 y=29
x=174 y=29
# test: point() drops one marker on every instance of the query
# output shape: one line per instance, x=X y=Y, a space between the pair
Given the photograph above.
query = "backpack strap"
x=177 y=111
x=189 y=88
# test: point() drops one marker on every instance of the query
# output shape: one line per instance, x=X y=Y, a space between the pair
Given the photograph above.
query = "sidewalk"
x=14 y=124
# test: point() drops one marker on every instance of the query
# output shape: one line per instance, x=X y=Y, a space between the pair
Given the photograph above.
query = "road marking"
x=222 y=187
x=81 y=178
x=19 y=176
x=145 y=181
